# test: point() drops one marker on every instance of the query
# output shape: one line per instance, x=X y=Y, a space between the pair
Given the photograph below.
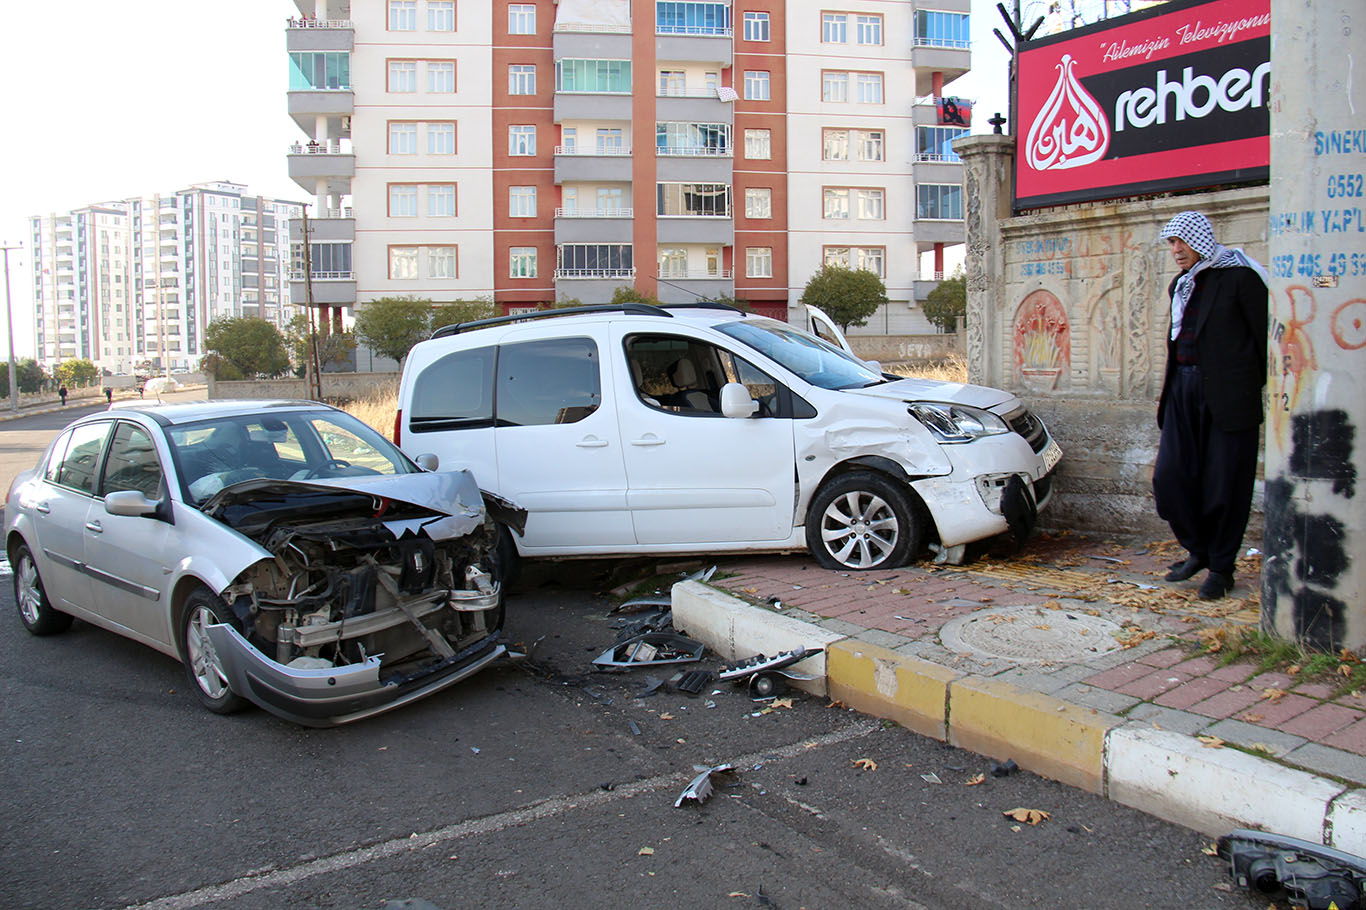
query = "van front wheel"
x=862 y=521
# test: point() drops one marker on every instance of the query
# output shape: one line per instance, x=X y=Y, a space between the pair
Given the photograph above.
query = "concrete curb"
x=1166 y=774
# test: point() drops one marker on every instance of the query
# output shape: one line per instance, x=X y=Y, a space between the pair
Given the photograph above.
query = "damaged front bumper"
x=997 y=485
x=332 y=696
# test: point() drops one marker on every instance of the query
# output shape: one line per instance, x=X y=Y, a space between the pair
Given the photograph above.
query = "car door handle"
x=94 y=526
x=591 y=442
x=650 y=439
x=43 y=507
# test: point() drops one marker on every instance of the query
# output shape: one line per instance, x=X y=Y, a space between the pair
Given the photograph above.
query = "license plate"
x=1051 y=456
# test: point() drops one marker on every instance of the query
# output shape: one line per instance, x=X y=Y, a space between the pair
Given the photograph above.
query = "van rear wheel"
x=863 y=520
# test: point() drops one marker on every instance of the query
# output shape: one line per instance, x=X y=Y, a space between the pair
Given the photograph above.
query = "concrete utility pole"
x=1314 y=570
x=9 y=332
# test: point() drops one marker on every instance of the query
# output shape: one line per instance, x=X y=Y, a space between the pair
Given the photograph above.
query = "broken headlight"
x=956 y=422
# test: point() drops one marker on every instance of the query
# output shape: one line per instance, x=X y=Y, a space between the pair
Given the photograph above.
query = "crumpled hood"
x=976 y=396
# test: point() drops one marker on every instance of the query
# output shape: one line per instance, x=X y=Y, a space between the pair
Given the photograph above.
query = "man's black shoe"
x=1180 y=571
x=1215 y=586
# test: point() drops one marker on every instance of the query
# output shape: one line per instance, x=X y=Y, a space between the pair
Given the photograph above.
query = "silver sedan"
x=285 y=552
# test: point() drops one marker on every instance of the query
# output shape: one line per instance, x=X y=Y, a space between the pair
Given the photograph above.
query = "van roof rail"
x=704 y=304
x=636 y=309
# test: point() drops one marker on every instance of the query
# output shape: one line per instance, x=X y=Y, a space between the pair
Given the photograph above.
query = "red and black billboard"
x=1173 y=97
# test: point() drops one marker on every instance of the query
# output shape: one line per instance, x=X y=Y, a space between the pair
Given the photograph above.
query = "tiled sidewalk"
x=1158 y=677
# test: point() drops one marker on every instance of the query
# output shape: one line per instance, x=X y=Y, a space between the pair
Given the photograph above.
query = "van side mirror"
x=428 y=461
x=735 y=401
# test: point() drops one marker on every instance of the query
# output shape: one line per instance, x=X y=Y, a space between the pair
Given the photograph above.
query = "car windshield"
x=296 y=445
x=818 y=362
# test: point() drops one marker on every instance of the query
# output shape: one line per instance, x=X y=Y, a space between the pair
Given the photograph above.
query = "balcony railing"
x=935 y=156
x=687 y=91
x=688 y=151
x=330 y=147
x=345 y=211
x=697 y=274
x=298 y=275
x=958 y=43
x=593 y=27
x=709 y=31
x=594 y=213
x=595 y=273
x=320 y=23
x=606 y=151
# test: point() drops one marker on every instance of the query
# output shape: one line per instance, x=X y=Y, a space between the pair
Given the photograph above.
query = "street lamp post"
x=9 y=331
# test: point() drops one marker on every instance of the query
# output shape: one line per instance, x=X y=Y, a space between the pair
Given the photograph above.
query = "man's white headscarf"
x=1195 y=229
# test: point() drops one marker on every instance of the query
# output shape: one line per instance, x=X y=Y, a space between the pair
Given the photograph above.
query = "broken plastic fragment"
x=700 y=787
x=661 y=648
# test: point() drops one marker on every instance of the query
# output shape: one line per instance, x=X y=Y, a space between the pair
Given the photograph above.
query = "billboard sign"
x=1172 y=97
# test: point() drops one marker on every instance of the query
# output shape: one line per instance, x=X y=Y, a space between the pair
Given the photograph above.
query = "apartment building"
x=543 y=151
x=132 y=284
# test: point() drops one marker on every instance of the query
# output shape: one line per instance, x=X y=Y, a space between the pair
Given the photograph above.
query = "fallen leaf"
x=1052 y=605
x=1345 y=670
x=1021 y=814
x=867 y=764
x=646 y=851
x=974 y=780
x=1273 y=694
x=1292 y=670
x=782 y=702
x=739 y=894
x=1250 y=717
x=1043 y=626
x=1210 y=850
x=666 y=716
x=1211 y=742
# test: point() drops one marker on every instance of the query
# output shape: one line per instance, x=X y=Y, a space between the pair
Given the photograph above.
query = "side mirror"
x=428 y=461
x=874 y=366
x=131 y=503
x=735 y=401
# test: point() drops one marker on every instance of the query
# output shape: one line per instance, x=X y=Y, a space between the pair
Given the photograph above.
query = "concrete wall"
x=337 y=387
x=887 y=349
x=1067 y=307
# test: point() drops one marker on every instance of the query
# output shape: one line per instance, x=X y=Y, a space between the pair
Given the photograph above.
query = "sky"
x=129 y=99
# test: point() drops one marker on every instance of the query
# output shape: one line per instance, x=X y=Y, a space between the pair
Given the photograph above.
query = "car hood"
x=452 y=498
x=976 y=396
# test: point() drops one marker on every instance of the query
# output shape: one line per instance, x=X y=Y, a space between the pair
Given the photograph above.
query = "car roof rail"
x=635 y=309
x=705 y=304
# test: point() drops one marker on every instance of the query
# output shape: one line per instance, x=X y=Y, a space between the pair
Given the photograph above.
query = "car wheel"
x=203 y=666
x=34 y=608
x=863 y=521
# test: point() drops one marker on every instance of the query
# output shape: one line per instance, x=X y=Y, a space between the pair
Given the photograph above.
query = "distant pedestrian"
x=109 y=394
x=62 y=392
x=1210 y=410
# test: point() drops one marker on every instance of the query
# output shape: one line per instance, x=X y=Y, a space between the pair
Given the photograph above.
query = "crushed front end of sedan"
x=371 y=592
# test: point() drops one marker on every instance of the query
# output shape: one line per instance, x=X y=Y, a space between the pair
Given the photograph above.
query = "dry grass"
x=952 y=369
x=376 y=409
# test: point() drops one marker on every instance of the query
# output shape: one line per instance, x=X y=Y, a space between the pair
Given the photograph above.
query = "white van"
x=633 y=429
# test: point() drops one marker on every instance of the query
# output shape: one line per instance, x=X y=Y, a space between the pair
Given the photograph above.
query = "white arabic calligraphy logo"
x=1055 y=137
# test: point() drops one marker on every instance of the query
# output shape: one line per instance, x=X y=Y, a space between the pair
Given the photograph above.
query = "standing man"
x=1210 y=411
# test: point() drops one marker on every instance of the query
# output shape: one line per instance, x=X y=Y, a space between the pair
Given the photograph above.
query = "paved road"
x=527 y=787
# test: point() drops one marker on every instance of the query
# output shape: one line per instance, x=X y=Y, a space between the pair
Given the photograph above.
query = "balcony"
x=330 y=161
x=592 y=164
x=695 y=285
x=928 y=232
x=698 y=45
x=716 y=230
x=330 y=288
x=307 y=105
x=692 y=104
x=595 y=274
x=592 y=106
x=593 y=225
x=602 y=42
x=695 y=169
x=319 y=34
x=939 y=57
x=334 y=225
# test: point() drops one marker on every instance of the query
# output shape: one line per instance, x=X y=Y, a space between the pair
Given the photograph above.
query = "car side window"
x=132 y=463
x=82 y=457
x=676 y=374
x=54 y=458
x=557 y=380
x=454 y=391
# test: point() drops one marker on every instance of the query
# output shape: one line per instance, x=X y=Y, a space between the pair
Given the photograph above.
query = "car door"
x=694 y=476
x=128 y=558
x=558 y=446
x=60 y=512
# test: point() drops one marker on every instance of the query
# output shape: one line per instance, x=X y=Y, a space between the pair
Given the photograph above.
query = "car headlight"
x=956 y=422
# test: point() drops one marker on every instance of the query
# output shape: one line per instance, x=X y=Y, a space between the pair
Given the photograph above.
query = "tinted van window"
x=455 y=391
x=545 y=382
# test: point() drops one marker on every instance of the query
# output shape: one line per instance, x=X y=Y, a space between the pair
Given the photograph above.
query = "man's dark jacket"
x=1231 y=338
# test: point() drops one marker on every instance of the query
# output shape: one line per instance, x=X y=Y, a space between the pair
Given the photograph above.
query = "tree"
x=390 y=326
x=75 y=372
x=848 y=296
x=948 y=302
x=29 y=373
x=458 y=311
x=626 y=293
x=334 y=348
x=243 y=349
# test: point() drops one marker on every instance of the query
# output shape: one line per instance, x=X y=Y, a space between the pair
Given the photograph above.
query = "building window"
x=403 y=263
x=522 y=140
x=756 y=85
x=756 y=26
x=834 y=28
x=521 y=79
x=402 y=76
x=609 y=141
x=522 y=202
x=692 y=138
x=867 y=258
x=402 y=200
x=868 y=29
x=441 y=138
x=441 y=76
x=673 y=82
x=941 y=29
x=319 y=70
x=402 y=15
x=710 y=200
x=759 y=262
x=610 y=201
x=440 y=15
x=869 y=204
x=758 y=202
x=523 y=261
x=441 y=262
x=521 y=19
x=595 y=260
x=593 y=76
x=836 y=203
x=869 y=88
x=402 y=138
x=673 y=262
x=691 y=18
x=935 y=143
x=860 y=145
x=834 y=87
x=869 y=144
x=441 y=200
x=939 y=200
x=758 y=144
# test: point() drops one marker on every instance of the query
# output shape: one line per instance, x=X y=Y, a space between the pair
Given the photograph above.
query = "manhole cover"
x=1029 y=634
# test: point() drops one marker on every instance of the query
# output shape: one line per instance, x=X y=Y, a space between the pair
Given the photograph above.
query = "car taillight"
x=398 y=426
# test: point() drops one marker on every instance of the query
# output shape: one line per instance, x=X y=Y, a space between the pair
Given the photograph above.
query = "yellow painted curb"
x=1045 y=735
x=883 y=683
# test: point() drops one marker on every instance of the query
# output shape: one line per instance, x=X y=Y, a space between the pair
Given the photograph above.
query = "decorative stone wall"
x=1067 y=307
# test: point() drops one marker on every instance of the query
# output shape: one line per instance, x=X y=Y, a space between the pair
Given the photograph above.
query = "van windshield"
x=818 y=362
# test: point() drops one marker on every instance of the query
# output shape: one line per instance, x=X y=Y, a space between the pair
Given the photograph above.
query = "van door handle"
x=650 y=439
x=94 y=526
x=591 y=442
x=43 y=507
